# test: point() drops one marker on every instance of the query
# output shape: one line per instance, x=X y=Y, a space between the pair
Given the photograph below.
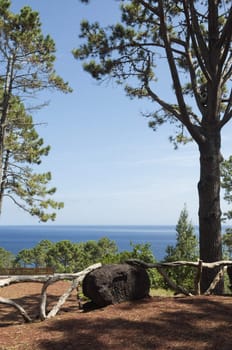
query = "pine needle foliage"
x=186 y=248
x=27 y=67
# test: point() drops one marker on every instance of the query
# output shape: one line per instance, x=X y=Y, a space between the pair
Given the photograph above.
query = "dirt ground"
x=157 y=323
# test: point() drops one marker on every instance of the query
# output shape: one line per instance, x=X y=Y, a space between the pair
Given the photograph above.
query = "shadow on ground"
x=10 y=316
x=155 y=324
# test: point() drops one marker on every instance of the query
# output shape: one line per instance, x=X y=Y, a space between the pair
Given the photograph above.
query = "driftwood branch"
x=20 y=279
x=76 y=278
x=199 y=265
x=21 y=310
x=44 y=278
x=211 y=265
x=171 y=284
x=63 y=299
x=215 y=281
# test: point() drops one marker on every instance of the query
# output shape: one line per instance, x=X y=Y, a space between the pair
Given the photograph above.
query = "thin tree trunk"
x=3 y=120
x=209 y=206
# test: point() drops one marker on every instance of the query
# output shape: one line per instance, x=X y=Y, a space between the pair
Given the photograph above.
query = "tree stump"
x=111 y=284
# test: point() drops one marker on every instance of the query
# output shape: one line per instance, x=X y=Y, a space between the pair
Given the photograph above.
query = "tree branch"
x=149 y=7
x=228 y=112
x=226 y=32
x=172 y=65
x=200 y=44
x=198 y=51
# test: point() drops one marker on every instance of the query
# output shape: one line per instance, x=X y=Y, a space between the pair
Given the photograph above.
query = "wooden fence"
x=46 y=276
x=199 y=265
x=19 y=271
x=46 y=280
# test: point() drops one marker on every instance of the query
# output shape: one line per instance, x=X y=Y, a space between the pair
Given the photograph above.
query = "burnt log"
x=112 y=284
x=229 y=273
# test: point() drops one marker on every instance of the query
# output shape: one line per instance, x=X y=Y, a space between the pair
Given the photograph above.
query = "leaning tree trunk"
x=209 y=206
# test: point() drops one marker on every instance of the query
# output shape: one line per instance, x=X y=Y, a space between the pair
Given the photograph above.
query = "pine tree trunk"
x=209 y=206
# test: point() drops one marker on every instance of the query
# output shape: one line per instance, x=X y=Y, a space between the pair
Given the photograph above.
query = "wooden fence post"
x=198 y=278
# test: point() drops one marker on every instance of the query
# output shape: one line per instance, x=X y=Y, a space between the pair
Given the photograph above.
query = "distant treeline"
x=65 y=256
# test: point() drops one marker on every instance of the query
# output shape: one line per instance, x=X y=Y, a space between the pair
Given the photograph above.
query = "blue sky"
x=107 y=165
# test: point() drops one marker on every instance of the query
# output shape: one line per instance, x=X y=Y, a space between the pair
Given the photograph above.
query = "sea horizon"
x=15 y=238
x=102 y=225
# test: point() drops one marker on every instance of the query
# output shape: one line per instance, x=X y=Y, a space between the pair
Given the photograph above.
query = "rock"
x=229 y=273
x=111 y=284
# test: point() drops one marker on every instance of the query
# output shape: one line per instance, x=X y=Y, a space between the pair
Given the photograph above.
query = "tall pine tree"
x=186 y=248
x=190 y=42
x=27 y=67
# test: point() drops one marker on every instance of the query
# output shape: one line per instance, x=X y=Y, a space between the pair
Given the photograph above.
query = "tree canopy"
x=27 y=67
x=183 y=35
x=191 y=40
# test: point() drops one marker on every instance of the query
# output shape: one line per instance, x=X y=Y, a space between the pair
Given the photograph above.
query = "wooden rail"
x=47 y=277
x=199 y=265
x=19 y=271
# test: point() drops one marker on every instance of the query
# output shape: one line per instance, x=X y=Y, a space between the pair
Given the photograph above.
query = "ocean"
x=16 y=238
